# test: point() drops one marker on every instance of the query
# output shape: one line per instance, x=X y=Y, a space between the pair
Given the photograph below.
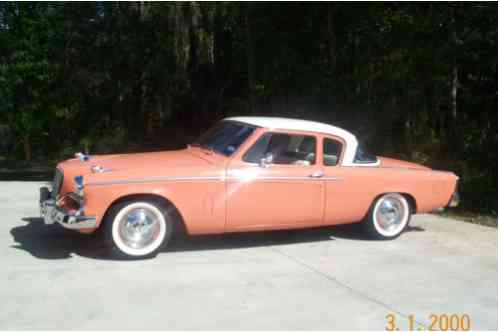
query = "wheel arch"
x=412 y=202
x=165 y=202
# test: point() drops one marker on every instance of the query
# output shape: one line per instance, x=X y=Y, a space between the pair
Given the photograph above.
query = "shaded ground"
x=29 y=174
x=25 y=171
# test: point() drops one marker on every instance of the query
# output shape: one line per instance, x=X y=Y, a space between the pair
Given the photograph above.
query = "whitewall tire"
x=388 y=217
x=138 y=228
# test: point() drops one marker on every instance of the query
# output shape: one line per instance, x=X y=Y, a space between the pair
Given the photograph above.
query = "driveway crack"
x=343 y=285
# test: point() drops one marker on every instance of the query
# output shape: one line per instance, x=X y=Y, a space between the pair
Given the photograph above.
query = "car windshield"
x=225 y=137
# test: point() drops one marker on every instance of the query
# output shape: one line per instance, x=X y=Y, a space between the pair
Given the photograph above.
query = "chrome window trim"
x=375 y=164
x=309 y=126
x=272 y=132
x=339 y=157
x=241 y=123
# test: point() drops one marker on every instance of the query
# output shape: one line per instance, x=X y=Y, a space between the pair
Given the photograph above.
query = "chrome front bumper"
x=51 y=214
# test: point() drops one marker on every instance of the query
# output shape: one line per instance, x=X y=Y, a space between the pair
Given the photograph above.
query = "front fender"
x=99 y=198
x=201 y=204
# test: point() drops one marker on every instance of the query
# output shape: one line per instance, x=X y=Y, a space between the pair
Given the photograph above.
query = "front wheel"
x=388 y=217
x=138 y=229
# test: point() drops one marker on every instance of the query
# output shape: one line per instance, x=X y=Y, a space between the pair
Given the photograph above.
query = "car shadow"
x=55 y=242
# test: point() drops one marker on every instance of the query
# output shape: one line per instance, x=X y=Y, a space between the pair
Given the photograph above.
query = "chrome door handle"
x=316 y=175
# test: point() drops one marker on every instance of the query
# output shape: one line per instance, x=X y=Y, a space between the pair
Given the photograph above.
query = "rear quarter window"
x=332 y=150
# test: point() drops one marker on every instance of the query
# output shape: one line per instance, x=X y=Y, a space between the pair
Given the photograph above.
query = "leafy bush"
x=479 y=194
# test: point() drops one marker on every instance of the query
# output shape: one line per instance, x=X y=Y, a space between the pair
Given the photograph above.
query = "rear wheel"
x=138 y=228
x=388 y=216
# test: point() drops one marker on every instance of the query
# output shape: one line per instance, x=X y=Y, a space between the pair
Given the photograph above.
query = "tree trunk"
x=180 y=35
x=194 y=51
x=220 y=59
x=27 y=148
x=332 y=50
x=249 y=55
x=454 y=85
x=142 y=10
x=454 y=95
x=194 y=37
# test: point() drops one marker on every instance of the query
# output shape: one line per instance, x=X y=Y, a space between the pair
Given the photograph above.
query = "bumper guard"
x=51 y=213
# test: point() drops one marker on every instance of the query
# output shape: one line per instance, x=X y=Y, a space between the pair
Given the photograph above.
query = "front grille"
x=57 y=184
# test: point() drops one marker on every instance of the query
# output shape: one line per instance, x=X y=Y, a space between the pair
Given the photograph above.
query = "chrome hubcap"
x=139 y=228
x=390 y=214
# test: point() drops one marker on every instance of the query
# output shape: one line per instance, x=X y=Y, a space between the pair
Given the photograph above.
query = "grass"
x=472 y=217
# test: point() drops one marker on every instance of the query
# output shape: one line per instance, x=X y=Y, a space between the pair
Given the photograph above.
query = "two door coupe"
x=244 y=174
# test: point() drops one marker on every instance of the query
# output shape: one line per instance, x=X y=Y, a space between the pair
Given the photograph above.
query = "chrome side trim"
x=288 y=178
x=158 y=179
x=333 y=178
x=375 y=164
x=212 y=178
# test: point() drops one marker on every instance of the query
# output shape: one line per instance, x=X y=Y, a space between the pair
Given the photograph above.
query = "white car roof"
x=304 y=125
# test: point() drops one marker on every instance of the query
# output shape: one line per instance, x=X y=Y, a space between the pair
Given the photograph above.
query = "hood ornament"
x=99 y=169
x=81 y=156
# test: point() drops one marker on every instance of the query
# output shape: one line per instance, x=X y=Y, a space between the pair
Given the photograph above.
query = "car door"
x=285 y=190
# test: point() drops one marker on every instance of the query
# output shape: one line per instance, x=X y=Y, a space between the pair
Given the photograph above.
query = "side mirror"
x=266 y=161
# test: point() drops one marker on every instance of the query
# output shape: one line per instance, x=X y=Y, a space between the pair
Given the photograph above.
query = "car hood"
x=155 y=160
x=186 y=162
x=396 y=163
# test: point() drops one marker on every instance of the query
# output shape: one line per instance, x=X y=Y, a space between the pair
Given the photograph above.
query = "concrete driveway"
x=329 y=278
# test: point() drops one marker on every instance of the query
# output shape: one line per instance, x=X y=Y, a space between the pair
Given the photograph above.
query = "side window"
x=285 y=149
x=361 y=157
x=331 y=151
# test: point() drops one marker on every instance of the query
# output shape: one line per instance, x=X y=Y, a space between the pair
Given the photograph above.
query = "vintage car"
x=244 y=174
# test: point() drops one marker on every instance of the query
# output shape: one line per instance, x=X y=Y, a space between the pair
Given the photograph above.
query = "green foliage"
x=416 y=80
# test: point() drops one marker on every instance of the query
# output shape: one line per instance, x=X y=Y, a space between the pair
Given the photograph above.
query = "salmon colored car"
x=244 y=174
